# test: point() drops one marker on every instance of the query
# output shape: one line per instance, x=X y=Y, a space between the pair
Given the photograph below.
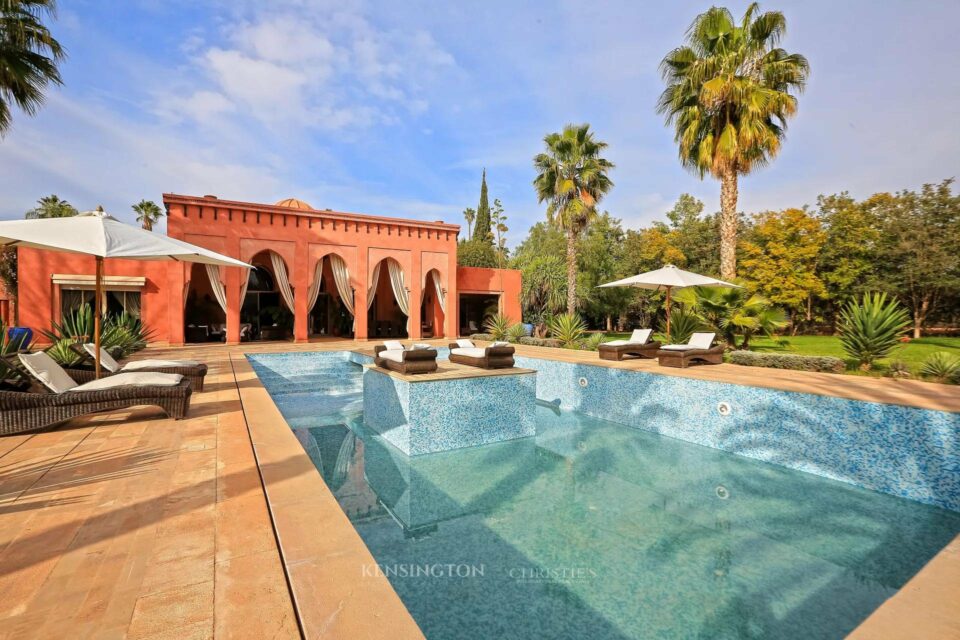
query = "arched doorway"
x=387 y=301
x=204 y=316
x=266 y=312
x=433 y=305
x=331 y=313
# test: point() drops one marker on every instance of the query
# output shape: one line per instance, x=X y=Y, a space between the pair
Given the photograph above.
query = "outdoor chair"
x=59 y=396
x=393 y=355
x=190 y=369
x=498 y=355
x=697 y=350
x=638 y=345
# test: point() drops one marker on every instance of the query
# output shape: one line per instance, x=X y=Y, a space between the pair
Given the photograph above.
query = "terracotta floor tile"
x=161 y=614
x=252 y=598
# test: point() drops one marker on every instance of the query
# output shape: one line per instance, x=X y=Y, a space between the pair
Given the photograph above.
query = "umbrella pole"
x=98 y=292
x=668 y=314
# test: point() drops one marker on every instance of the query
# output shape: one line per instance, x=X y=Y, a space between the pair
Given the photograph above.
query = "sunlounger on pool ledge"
x=697 y=350
x=190 y=369
x=639 y=345
x=64 y=396
x=498 y=355
x=394 y=356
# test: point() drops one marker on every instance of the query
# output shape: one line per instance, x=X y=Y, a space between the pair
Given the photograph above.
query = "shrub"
x=516 y=332
x=483 y=337
x=870 y=330
x=476 y=253
x=795 y=362
x=592 y=342
x=899 y=369
x=120 y=335
x=683 y=324
x=568 y=329
x=942 y=367
x=10 y=372
x=497 y=326
x=539 y=342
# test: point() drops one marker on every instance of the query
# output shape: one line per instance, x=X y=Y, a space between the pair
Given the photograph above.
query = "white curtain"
x=243 y=287
x=436 y=285
x=283 y=283
x=341 y=276
x=372 y=291
x=314 y=291
x=213 y=272
x=399 y=291
x=186 y=292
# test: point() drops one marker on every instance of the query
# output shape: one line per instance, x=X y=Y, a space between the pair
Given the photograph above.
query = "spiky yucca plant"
x=593 y=341
x=683 y=324
x=942 y=367
x=568 y=329
x=516 y=332
x=498 y=326
x=871 y=329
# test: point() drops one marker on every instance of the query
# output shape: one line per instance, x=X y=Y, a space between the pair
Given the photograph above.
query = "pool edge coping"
x=304 y=554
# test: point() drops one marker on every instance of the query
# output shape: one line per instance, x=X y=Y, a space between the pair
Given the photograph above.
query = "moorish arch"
x=267 y=299
x=433 y=304
x=388 y=300
x=331 y=298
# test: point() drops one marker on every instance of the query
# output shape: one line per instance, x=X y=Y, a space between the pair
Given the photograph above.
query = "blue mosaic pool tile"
x=441 y=415
x=904 y=451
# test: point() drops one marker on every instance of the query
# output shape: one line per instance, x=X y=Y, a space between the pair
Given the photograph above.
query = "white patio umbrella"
x=97 y=234
x=669 y=277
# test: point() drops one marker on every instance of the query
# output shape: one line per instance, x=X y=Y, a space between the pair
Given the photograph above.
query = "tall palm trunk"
x=728 y=225
x=571 y=271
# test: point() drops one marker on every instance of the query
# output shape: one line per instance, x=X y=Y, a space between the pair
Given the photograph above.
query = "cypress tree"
x=482 y=231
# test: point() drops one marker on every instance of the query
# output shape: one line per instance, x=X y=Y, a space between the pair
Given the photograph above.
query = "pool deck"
x=129 y=524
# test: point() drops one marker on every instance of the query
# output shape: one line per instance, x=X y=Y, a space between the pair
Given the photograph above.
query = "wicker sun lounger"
x=195 y=372
x=39 y=408
x=639 y=346
x=406 y=361
x=697 y=350
x=495 y=356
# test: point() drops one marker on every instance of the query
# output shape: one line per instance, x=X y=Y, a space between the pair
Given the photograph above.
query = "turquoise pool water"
x=596 y=530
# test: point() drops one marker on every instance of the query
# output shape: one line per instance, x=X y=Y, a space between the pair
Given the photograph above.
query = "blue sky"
x=393 y=108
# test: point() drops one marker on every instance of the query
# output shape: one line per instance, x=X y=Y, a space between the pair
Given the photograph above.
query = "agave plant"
x=568 y=329
x=872 y=329
x=593 y=341
x=942 y=367
x=516 y=332
x=683 y=324
x=9 y=370
x=899 y=369
x=734 y=312
x=498 y=326
x=120 y=334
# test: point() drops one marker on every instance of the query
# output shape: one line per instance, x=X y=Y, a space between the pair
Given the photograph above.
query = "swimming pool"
x=595 y=529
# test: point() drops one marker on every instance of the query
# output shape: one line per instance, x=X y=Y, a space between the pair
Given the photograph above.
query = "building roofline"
x=213 y=201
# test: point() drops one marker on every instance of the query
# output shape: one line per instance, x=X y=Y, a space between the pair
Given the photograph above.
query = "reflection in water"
x=595 y=530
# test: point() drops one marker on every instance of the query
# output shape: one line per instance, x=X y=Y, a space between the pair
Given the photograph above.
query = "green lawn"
x=913 y=352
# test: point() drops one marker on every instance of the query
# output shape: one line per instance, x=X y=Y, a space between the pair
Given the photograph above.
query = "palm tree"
x=728 y=98
x=28 y=56
x=572 y=177
x=734 y=311
x=51 y=206
x=148 y=213
x=469 y=214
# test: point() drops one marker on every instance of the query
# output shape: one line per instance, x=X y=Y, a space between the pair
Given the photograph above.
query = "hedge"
x=483 y=337
x=539 y=342
x=796 y=362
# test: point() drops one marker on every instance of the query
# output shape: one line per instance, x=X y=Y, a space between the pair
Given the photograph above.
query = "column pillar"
x=415 y=283
x=233 y=282
x=300 y=273
x=452 y=312
x=360 y=330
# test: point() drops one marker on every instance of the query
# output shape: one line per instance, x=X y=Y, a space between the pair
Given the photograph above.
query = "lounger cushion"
x=141 y=379
x=392 y=354
x=465 y=344
x=393 y=345
x=500 y=343
x=640 y=336
x=422 y=345
x=139 y=365
x=679 y=347
x=469 y=352
x=45 y=369
x=106 y=360
x=616 y=343
x=701 y=340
